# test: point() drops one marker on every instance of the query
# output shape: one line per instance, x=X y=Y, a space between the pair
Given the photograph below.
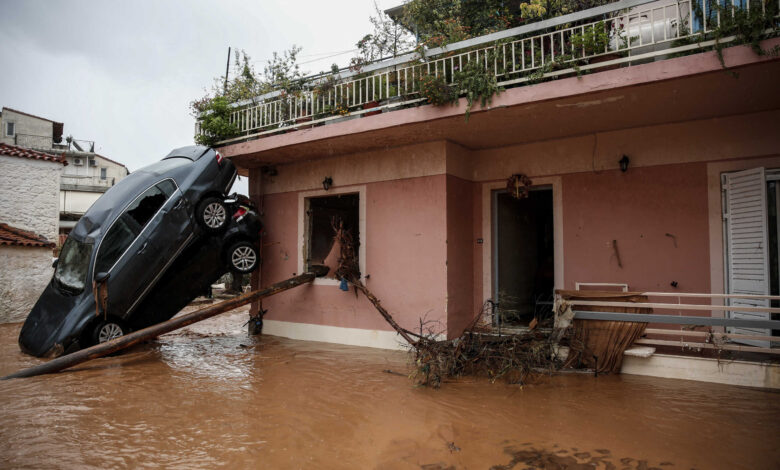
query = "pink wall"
x=405 y=258
x=638 y=208
x=460 y=254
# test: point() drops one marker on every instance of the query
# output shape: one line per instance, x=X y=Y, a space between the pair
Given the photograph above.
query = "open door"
x=747 y=246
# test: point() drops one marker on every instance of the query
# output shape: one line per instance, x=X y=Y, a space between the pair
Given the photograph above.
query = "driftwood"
x=153 y=331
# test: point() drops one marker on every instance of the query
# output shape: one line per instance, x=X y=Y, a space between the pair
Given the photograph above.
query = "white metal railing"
x=86 y=181
x=744 y=329
x=629 y=30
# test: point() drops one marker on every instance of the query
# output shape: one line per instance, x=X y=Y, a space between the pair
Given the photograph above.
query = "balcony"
x=621 y=34
x=85 y=183
x=37 y=142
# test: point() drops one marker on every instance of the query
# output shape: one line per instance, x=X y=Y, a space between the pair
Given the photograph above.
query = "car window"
x=143 y=209
x=167 y=186
x=115 y=242
x=71 y=272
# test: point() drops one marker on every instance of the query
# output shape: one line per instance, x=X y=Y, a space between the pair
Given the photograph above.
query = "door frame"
x=489 y=265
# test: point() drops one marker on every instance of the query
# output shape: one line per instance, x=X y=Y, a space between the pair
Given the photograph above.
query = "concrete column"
x=255 y=326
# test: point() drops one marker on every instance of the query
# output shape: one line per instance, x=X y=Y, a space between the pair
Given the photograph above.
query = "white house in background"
x=29 y=221
x=30 y=131
x=87 y=176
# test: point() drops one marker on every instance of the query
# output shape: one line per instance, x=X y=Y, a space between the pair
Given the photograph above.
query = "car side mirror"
x=54 y=263
x=102 y=277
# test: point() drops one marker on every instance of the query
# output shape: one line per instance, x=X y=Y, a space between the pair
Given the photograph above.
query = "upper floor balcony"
x=622 y=34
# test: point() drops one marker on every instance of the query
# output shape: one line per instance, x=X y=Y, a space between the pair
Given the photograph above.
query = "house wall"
x=27 y=125
x=25 y=273
x=29 y=190
x=428 y=207
x=77 y=202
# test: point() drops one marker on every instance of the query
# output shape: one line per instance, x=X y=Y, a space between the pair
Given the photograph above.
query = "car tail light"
x=219 y=158
x=240 y=213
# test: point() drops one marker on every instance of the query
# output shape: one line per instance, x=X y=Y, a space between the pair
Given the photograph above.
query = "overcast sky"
x=122 y=73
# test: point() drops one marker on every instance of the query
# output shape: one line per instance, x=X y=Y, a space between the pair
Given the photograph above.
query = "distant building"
x=30 y=131
x=29 y=220
x=87 y=176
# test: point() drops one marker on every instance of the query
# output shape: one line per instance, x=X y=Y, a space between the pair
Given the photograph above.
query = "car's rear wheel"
x=213 y=214
x=242 y=257
x=107 y=330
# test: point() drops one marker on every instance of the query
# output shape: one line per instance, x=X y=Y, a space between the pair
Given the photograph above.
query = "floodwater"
x=209 y=396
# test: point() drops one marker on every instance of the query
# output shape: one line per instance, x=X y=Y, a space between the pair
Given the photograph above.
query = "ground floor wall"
x=24 y=274
x=429 y=221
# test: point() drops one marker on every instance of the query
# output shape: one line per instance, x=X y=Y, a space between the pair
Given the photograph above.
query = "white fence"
x=628 y=30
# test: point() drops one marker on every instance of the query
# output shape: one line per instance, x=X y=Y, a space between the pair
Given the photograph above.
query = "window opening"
x=10 y=129
x=325 y=215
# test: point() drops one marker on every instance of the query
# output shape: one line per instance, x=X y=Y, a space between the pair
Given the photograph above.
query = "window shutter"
x=745 y=215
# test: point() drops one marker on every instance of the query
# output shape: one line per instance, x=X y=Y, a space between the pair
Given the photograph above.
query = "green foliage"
x=749 y=26
x=477 y=83
x=387 y=39
x=215 y=122
x=213 y=110
x=436 y=90
x=593 y=40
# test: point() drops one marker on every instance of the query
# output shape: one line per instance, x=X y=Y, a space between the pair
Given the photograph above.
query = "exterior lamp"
x=327 y=183
x=624 y=163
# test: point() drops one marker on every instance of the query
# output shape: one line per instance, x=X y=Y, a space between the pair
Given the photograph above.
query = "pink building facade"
x=424 y=189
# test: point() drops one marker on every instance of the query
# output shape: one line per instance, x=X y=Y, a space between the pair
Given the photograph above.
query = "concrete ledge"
x=747 y=374
x=333 y=334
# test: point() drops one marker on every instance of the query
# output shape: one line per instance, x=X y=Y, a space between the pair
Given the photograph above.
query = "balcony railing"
x=37 y=142
x=629 y=31
x=71 y=182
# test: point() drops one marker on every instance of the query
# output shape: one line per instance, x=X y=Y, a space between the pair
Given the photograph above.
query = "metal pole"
x=227 y=70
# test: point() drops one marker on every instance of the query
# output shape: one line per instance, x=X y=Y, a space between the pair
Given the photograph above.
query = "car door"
x=128 y=252
x=174 y=228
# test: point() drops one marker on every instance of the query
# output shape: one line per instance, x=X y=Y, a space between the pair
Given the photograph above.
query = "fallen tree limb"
x=405 y=334
x=153 y=331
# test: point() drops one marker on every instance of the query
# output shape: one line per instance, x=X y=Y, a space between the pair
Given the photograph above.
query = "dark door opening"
x=524 y=259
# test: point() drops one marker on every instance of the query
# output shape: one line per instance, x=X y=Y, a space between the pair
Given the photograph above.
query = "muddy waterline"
x=210 y=396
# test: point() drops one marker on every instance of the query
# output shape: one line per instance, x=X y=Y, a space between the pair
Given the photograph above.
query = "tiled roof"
x=15 y=236
x=14 y=151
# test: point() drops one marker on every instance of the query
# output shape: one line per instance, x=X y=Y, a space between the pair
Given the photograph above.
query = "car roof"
x=193 y=152
x=111 y=204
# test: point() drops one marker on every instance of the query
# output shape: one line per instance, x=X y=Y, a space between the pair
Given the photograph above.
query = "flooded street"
x=209 y=396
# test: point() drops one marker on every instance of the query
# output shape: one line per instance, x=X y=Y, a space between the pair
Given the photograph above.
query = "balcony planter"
x=369 y=105
x=606 y=58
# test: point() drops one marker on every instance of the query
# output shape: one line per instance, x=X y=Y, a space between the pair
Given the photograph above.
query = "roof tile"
x=14 y=151
x=16 y=236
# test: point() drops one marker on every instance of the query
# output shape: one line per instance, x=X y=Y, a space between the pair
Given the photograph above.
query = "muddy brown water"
x=209 y=396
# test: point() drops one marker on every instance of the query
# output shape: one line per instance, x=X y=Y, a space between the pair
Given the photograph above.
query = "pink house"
x=633 y=166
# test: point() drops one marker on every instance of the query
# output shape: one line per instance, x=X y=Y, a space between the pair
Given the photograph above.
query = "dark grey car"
x=122 y=248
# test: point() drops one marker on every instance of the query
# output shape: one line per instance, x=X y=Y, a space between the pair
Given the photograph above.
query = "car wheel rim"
x=214 y=215
x=244 y=258
x=109 y=331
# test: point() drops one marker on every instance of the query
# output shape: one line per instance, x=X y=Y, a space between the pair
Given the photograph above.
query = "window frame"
x=103 y=173
x=303 y=220
x=13 y=124
x=122 y=212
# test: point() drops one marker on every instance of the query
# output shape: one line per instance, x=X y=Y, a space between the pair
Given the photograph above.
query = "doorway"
x=524 y=266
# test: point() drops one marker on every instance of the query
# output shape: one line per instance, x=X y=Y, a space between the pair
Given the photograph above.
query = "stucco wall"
x=29 y=191
x=27 y=125
x=460 y=255
x=24 y=275
x=405 y=259
x=658 y=217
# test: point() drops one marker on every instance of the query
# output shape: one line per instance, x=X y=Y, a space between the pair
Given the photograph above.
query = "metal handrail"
x=530 y=52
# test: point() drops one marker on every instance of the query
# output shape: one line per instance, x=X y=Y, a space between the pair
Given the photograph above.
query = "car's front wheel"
x=107 y=330
x=213 y=214
x=243 y=257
